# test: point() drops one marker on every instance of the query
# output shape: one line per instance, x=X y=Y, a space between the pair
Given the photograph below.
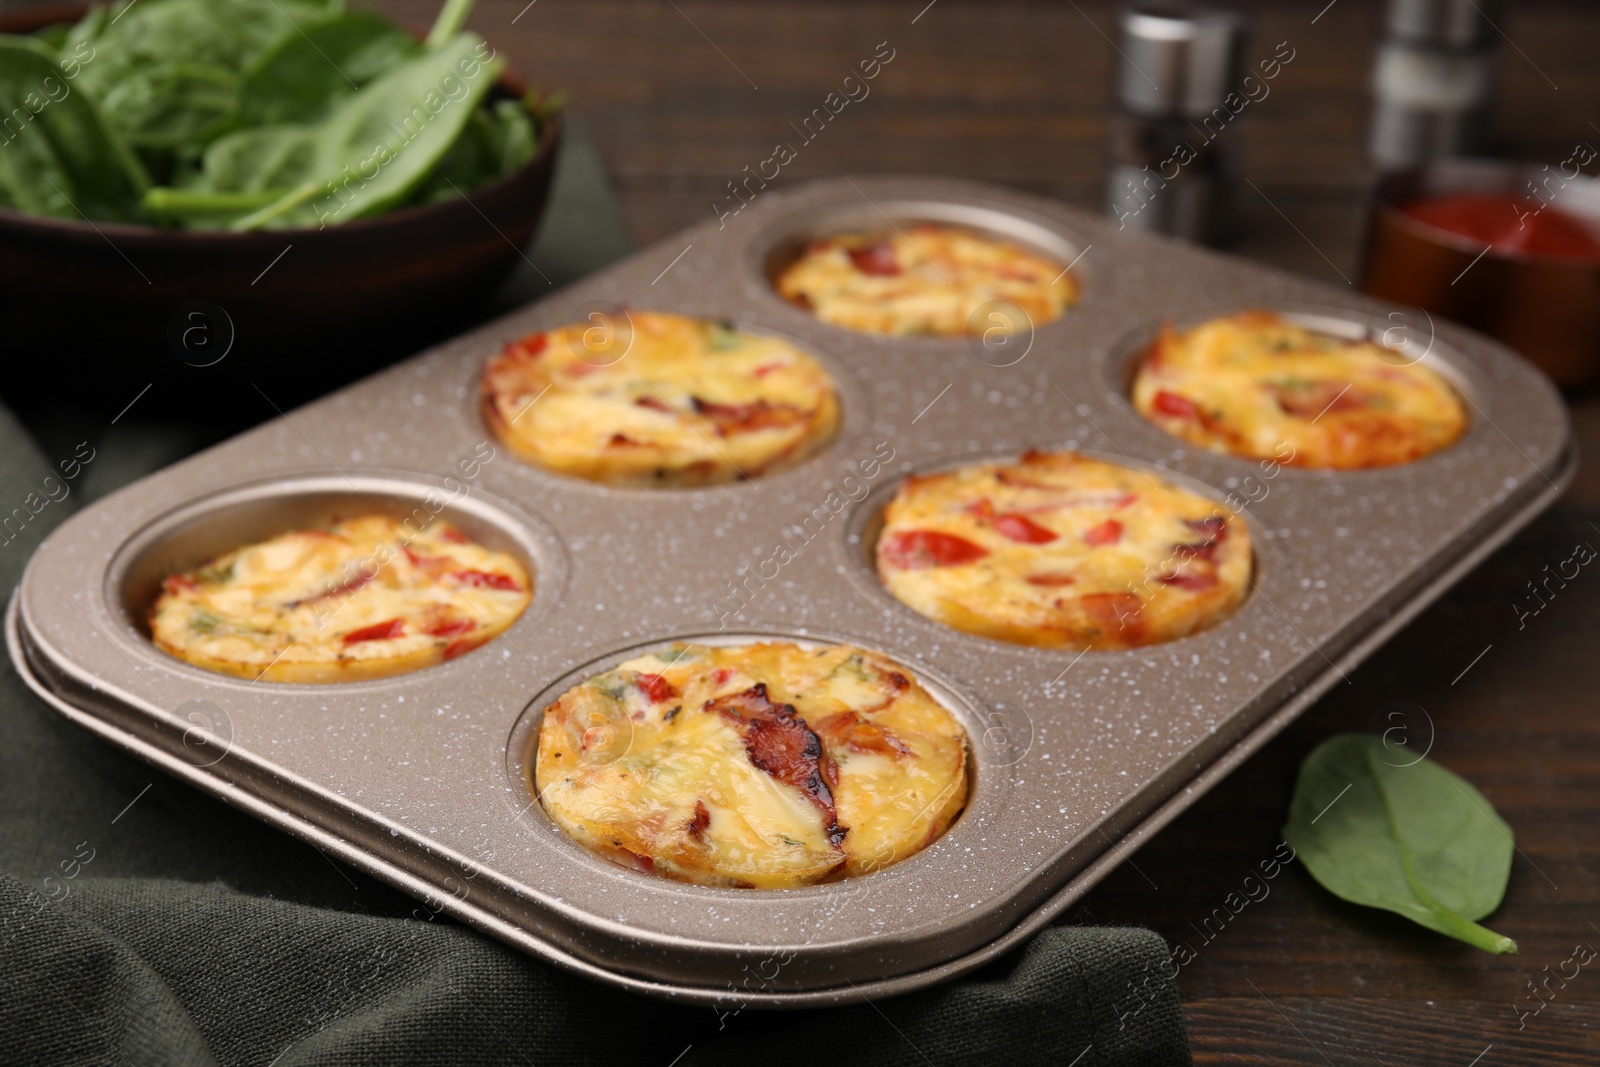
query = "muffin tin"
x=422 y=779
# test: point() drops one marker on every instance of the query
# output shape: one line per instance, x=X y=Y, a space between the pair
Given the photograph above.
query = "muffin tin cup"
x=422 y=779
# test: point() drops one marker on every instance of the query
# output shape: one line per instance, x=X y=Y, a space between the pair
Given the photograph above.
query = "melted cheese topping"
x=1062 y=551
x=1257 y=386
x=362 y=598
x=663 y=400
x=764 y=766
x=929 y=280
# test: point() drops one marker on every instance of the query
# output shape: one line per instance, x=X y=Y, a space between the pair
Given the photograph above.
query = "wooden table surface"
x=682 y=96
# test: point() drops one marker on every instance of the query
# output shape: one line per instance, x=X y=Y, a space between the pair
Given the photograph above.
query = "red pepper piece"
x=1173 y=404
x=528 y=347
x=378 y=631
x=656 y=688
x=487 y=580
x=1107 y=533
x=1023 y=530
x=178 y=583
x=912 y=550
x=465 y=644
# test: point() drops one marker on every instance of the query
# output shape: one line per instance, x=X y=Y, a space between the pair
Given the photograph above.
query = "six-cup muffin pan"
x=423 y=779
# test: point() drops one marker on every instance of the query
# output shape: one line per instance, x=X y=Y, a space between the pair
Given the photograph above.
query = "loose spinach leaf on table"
x=1378 y=826
x=58 y=157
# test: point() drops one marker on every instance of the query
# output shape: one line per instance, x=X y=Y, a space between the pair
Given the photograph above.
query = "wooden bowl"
x=1546 y=308
x=99 y=309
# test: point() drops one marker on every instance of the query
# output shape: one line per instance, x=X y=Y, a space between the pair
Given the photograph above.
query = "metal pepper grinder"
x=1175 y=141
x=1432 y=80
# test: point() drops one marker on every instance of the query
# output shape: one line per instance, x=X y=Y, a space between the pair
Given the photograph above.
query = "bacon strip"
x=877 y=259
x=742 y=418
x=861 y=735
x=779 y=742
x=702 y=819
x=1216 y=530
x=344 y=588
x=1195 y=583
x=1310 y=399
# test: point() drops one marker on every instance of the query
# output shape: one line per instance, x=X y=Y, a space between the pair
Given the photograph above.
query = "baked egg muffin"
x=660 y=400
x=761 y=766
x=1059 y=550
x=357 y=599
x=928 y=279
x=1259 y=386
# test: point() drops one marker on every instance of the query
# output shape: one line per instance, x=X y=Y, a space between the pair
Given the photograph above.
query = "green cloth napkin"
x=142 y=922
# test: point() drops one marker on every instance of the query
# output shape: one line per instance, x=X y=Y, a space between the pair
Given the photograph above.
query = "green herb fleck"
x=723 y=337
x=213 y=573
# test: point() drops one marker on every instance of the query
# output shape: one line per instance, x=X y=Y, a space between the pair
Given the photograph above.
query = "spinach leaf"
x=167 y=72
x=304 y=74
x=240 y=173
x=57 y=155
x=259 y=160
x=55 y=36
x=1380 y=827
x=512 y=135
x=471 y=162
x=172 y=104
x=378 y=146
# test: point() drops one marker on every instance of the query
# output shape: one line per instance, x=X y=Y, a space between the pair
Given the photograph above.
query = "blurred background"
x=1013 y=93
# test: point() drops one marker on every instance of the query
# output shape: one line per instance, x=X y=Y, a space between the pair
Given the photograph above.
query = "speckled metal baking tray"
x=421 y=779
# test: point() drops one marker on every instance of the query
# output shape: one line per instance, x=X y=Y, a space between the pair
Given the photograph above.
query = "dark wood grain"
x=1016 y=94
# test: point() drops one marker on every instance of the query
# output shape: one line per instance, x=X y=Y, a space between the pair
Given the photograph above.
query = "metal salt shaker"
x=1175 y=145
x=1432 y=80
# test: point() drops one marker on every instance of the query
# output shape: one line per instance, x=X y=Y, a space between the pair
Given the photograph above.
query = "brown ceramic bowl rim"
x=31 y=20
x=1470 y=174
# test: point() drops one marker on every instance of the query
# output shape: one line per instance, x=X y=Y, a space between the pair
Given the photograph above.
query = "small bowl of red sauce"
x=1509 y=249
